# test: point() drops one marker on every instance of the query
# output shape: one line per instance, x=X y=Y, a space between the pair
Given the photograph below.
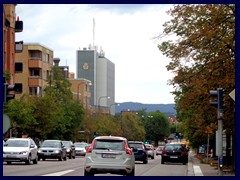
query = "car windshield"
x=81 y=145
x=67 y=143
x=109 y=144
x=16 y=143
x=52 y=144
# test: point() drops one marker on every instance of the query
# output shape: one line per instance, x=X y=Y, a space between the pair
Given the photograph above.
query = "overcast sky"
x=124 y=32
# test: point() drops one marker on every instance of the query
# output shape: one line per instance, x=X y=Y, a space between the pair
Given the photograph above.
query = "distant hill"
x=168 y=109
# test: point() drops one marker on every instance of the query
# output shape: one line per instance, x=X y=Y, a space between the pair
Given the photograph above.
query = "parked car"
x=109 y=154
x=175 y=152
x=159 y=150
x=70 y=148
x=52 y=149
x=150 y=150
x=80 y=148
x=139 y=150
x=20 y=150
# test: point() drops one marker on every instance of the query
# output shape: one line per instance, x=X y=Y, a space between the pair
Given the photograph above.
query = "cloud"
x=123 y=31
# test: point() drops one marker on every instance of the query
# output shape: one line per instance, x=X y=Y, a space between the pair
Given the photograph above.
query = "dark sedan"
x=52 y=149
x=139 y=150
x=175 y=152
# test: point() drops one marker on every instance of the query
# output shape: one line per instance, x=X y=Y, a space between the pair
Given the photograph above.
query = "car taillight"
x=89 y=150
x=143 y=147
x=151 y=148
x=164 y=152
x=184 y=153
x=127 y=149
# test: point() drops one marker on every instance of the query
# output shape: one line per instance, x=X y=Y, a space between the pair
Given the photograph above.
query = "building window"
x=35 y=72
x=18 y=67
x=35 y=55
x=18 y=88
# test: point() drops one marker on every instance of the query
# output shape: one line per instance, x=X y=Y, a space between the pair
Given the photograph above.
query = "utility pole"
x=219 y=104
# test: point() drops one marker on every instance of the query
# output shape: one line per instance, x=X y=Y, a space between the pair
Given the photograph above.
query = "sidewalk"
x=196 y=168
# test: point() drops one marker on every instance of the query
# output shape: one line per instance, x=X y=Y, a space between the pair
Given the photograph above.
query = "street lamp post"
x=100 y=99
x=111 y=106
x=78 y=91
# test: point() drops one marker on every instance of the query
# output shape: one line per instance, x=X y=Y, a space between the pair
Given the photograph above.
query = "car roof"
x=19 y=139
x=137 y=142
x=110 y=137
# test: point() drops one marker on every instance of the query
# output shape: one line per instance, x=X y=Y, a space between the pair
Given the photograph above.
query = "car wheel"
x=65 y=158
x=152 y=157
x=43 y=159
x=145 y=161
x=60 y=158
x=28 y=161
x=162 y=162
x=132 y=173
x=35 y=161
x=88 y=173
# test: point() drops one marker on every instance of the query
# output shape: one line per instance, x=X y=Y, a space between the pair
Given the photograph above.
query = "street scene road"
x=74 y=167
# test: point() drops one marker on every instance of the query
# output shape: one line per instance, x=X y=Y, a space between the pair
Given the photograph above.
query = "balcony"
x=34 y=81
x=34 y=63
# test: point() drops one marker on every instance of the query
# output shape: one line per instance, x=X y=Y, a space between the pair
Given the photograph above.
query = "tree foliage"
x=202 y=58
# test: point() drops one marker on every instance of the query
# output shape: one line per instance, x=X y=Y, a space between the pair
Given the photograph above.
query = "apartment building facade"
x=11 y=25
x=32 y=67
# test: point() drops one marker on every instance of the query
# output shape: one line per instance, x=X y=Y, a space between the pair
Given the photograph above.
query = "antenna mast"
x=93 y=33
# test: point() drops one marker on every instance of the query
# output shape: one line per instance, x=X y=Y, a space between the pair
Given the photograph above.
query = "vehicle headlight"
x=23 y=152
x=39 y=151
x=68 y=150
x=56 y=151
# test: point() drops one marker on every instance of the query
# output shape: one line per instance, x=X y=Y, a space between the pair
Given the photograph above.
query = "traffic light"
x=177 y=135
x=7 y=92
x=218 y=94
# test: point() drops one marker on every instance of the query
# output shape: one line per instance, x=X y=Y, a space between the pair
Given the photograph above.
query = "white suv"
x=109 y=154
x=20 y=150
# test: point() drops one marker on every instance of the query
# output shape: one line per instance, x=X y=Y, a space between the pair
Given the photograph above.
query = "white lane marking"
x=197 y=171
x=60 y=173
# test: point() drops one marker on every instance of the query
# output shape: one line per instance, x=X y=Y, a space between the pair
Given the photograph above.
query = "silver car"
x=109 y=154
x=80 y=148
x=20 y=150
x=150 y=150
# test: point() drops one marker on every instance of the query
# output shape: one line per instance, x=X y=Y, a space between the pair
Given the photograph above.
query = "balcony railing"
x=34 y=63
x=35 y=81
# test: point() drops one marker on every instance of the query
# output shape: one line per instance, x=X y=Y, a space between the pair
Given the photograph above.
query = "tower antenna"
x=93 y=33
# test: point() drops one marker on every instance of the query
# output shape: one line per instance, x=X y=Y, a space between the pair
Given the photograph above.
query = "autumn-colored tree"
x=202 y=57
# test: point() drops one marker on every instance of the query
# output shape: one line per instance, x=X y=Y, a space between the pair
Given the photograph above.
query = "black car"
x=139 y=150
x=52 y=149
x=71 y=151
x=175 y=152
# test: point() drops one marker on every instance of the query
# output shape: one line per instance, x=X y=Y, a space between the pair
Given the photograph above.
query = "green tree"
x=132 y=128
x=202 y=58
x=156 y=126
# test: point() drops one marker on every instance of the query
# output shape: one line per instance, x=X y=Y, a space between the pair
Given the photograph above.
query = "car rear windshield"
x=173 y=147
x=135 y=145
x=109 y=144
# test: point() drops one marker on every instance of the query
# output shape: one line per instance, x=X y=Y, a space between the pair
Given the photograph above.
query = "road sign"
x=232 y=94
x=6 y=123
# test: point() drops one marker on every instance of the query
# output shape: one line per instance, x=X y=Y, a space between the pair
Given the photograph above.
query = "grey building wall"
x=86 y=68
x=101 y=72
x=106 y=83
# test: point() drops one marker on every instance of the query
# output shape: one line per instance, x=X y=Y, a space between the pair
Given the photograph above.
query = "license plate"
x=11 y=156
x=174 y=157
x=109 y=156
x=47 y=154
